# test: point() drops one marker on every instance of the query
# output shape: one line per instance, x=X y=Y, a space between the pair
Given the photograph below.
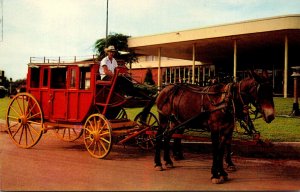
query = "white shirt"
x=111 y=65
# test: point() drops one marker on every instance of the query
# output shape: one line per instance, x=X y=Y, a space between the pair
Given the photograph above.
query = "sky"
x=67 y=28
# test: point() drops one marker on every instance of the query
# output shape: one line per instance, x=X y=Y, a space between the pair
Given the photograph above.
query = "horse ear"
x=254 y=75
x=265 y=74
x=251 y=73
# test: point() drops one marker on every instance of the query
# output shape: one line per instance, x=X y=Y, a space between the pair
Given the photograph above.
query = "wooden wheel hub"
x=95 y=136
x=23 y=120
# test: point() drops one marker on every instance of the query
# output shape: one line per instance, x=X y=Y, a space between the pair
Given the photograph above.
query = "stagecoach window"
x=35 y=78
x=58 y=78
x=85 y=78
x=73 y=78
x=45 y=80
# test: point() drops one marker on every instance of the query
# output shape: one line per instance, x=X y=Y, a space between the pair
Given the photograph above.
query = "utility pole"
x=106 y=21
x=1 y=20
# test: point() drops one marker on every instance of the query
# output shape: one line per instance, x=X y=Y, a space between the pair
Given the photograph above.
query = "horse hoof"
x=169 y=165
x=231 y=168
x=224 y=178
x=217 y=180
x=178 y=158
x=158 y=168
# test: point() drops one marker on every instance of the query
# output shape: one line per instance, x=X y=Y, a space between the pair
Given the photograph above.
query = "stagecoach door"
x=57 y=94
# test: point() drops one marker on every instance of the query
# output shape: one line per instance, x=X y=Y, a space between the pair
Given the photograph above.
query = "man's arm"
x=107 y=71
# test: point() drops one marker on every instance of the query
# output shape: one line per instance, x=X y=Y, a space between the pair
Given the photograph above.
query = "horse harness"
x=226 y=102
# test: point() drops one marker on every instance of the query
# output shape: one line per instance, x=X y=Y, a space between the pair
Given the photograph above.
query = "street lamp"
x=296 y=75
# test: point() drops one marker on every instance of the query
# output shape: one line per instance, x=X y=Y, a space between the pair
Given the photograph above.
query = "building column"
x=194 y=61
x=234 y=60
x=159 y=69
x=285 y=78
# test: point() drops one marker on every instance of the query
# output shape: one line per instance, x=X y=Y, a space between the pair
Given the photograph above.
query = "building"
x=270 y=44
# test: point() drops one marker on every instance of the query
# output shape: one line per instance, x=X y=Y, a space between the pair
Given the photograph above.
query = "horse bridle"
x=251 y=100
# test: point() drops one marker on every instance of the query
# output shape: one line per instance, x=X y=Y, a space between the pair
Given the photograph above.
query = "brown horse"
x=214 y=107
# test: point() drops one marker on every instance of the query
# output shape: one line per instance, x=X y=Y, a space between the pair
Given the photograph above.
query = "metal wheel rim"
x=97 y=136
x=24 y=120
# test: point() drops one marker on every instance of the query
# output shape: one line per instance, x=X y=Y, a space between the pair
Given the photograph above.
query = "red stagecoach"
x=68 y=98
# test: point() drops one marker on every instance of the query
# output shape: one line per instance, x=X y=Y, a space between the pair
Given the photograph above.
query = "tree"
x=149 y=78
x=120 y=42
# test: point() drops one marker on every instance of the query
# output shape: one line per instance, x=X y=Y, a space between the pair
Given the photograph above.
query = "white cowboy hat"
x=110 y=48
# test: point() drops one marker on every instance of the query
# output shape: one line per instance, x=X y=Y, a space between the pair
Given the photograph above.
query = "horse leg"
x=230 y=165
x=221 y=151
x=215 y=179
x=159 y=142
x=167 y=159
x=177 y=149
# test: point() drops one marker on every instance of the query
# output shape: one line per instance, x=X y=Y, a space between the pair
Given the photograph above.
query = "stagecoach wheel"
x=145 y=141
x=24 y=120
x=68 y=134
x=97 y=136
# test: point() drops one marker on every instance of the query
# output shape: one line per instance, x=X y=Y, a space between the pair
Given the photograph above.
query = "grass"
x=283 y=128
x=4 y=102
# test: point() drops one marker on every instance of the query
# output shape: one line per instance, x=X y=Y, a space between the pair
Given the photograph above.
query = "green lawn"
x=283 y=128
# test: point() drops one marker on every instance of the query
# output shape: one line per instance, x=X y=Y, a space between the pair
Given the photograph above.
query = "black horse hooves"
x=167 y=166
x=158 y=168
x=231 y=168
x=219 y=180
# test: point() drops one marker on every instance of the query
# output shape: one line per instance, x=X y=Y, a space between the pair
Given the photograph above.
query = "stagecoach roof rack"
x=65 y=60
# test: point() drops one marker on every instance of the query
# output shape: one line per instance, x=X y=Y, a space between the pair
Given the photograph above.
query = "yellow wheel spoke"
x=33 y=115
x=103 y=146
x=99 y=148
x=90 y=144
x=11 y=107
x=33 y=128
x=74 y=131
x=26 y=135
x=21 y=135
x=69 y=130
x=31 y=109
x=95 y=123
x=30 y=134
x=103 y=134
x=17 y=131
x=64 y=132
x=103 y=139
x=12 y=117
x=88 y=130
x=13 y=126
x=33 y=122
x=19 y=106
x=95 y=145
x=91 y=125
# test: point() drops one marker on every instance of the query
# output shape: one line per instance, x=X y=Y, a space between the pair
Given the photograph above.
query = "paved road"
x=56 y=165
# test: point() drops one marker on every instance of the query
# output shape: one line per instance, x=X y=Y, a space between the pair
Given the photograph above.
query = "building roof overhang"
x=215 y=43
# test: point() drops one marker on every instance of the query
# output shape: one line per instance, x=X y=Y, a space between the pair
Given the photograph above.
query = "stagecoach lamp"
x=296 y=75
